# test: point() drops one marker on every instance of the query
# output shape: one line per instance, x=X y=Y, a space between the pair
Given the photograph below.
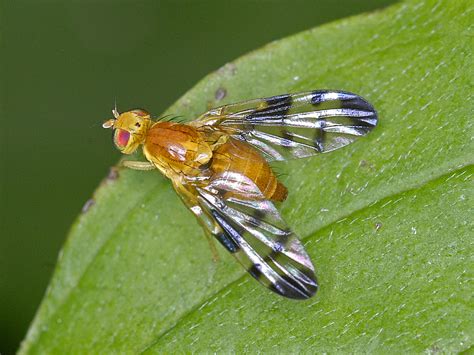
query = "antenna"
x=115 y=111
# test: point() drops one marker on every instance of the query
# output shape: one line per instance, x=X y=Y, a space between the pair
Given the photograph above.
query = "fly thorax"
x=177 y=147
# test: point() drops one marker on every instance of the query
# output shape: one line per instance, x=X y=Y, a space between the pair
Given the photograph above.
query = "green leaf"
x=385 y=220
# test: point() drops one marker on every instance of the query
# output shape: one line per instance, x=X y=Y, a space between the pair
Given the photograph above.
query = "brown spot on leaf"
x=87 y=206
x=366 y=164
x=113 y=174
x=378 y=225
x=228 y=69
x=220 y=93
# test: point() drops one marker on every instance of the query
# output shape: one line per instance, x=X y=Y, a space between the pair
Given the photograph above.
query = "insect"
x=219 y=166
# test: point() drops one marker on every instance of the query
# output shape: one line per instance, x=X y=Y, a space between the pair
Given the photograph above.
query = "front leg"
x=138 y=165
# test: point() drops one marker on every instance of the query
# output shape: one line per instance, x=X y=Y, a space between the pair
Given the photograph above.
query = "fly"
x=219 y=166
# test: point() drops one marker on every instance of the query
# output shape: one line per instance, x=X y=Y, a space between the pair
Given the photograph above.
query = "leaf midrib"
x=414 y=187
x=150 y=195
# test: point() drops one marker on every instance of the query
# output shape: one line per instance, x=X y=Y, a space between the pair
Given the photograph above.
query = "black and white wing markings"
x=295 y=125
x=250 y=227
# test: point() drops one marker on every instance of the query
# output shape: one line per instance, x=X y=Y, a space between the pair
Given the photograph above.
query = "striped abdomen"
x=241 y=157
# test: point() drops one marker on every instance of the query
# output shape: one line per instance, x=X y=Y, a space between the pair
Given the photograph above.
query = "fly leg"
x=209 y=229
x=138 y=165
x=204 y=220
x=212 y=246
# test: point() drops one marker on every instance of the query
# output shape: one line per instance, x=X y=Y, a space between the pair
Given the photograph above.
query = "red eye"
x=121 y=138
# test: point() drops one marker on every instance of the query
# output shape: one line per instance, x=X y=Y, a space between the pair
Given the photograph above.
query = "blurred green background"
x=63 y=65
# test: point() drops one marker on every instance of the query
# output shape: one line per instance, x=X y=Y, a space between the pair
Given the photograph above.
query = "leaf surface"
x=387 y=221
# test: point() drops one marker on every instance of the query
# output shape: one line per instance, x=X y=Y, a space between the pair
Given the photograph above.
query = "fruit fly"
x=219 y=166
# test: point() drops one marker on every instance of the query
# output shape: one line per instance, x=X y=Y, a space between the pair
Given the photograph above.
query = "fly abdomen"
x=240 y=157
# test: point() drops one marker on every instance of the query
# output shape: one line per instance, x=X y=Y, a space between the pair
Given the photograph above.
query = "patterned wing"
x=294 y=125
x=234 y=211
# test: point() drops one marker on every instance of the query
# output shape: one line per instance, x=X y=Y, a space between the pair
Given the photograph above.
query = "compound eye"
x=121 y=138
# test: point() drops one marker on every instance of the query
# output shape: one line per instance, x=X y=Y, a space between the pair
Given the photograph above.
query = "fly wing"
x=250 y=227
x=294 y=125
